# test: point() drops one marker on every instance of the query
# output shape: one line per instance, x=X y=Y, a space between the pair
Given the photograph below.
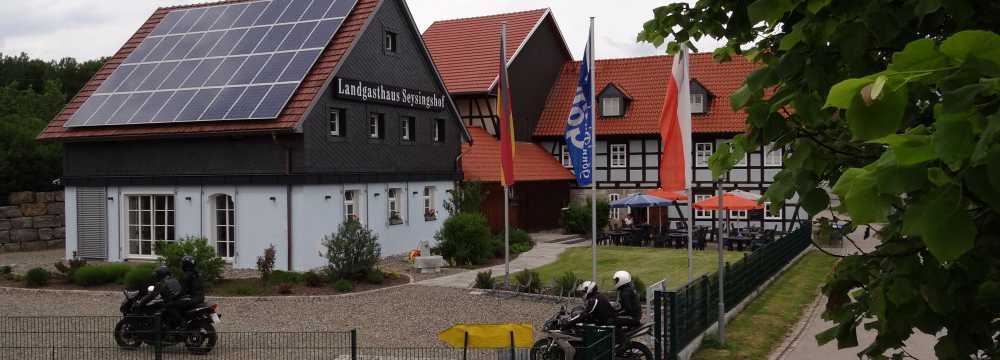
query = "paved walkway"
x=547 y=248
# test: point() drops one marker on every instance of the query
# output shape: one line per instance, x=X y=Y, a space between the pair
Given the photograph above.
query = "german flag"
x=506 y=116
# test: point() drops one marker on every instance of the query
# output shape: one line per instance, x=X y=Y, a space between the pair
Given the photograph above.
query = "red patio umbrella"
x=667 y=194
x=731 y=201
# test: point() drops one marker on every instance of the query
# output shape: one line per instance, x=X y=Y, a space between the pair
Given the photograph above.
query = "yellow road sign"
x=488 y=335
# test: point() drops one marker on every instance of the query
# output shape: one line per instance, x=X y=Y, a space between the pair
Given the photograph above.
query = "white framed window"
x=613 y=213
x=390 y=42
x=430 y=211
x=738 y=214
x=438 y=130
x=702 y=214
x=566 y=161
x=772 y=156
x=352 y=204
x=396 y=204
x=767 y=212
x=618 y=155
x=225 y=226
x=611 y=106
x=406 y=128
x=150 y=220
x=702 y=151
x=376 y=126
x=336 y=122
x=697 y=103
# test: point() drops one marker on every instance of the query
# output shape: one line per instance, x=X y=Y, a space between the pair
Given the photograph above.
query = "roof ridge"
x=489 y=16
x=644 y=57
x=204 y=4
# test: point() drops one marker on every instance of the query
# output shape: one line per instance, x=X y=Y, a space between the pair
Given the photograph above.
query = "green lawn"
x=649 y=264
x=762 y=325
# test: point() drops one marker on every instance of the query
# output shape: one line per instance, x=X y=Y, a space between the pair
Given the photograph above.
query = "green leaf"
x=938 y=177
x=963 y=98
x=993 y=166
x=986 y=139
x=827 y=335
x=916 y=56
x=842 y=94
x=762 y=78
x=901 y=179
x=880 y=118
x=792 y=38
x=953 y=142
x=983 y=45
x=814 y=6
x=740 y=98
x=948 y=230
x=909 y=149
x=769 y=10
x=816 y=200
x=925 y=7
x=858 y=189
x=978 y=183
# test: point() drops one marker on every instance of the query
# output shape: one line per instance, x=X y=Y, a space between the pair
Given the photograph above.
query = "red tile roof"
x=286 y=120
x=466 y=51
x=481 y=160
x=645 y=80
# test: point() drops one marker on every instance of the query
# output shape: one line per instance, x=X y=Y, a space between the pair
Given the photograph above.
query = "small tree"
x=353 y=251
x=265 y=264
x=465 y=239
x=467 y=197
x=208 y=264
x=577 y=219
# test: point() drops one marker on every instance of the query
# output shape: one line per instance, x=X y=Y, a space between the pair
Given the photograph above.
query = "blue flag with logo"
x=580 y=124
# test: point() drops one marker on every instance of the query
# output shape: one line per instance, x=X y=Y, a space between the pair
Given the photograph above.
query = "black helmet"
x=161 y=273
x=187 y=263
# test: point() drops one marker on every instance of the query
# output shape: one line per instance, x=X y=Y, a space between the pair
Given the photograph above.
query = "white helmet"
x=587 y=287
x=621 y=278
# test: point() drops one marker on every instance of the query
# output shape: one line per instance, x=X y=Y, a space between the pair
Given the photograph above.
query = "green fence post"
x=354 y=344
x=157 y=338
x=512 y=353
x=672 y=325
x=657 y=325
x=465 y=347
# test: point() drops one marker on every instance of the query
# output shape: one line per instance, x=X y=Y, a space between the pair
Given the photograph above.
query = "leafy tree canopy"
x=894 y=104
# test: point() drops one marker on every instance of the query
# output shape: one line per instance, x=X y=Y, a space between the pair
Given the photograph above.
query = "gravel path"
x=409 y=315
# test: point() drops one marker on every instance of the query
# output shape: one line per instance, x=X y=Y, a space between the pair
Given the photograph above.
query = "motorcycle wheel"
x=124 y=336
x=200 y=339
x=542 y=351
x=635 y=350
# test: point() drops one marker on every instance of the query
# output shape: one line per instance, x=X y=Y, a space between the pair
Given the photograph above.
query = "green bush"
x=278 y=277
x=283 y=288
x=99 y=274
x=529 y=281
x=312 y=279
x=467 y=197
x=209 y=264
x=465 y=239
x=343 y=285
x=520 y=241
x=74 y=264
x=265 y=263
x=577 y=219
x=6 y=270
x=375 y=277
x=37 y=277
x=139 y=276
x=353 y=251
x=565 y=284
x=640 y=288
x=484 y=280
x=240 y=290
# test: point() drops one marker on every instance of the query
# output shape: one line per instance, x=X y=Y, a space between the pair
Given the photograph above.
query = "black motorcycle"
x=562 y=340
x=145 y=325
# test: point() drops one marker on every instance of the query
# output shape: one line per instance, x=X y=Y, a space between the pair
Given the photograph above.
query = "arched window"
x=225 y=226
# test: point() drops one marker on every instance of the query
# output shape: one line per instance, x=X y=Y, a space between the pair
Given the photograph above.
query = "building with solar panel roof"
x=260 y=122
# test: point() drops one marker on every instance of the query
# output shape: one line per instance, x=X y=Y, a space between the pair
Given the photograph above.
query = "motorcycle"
x=145 y=325
x=562 y=340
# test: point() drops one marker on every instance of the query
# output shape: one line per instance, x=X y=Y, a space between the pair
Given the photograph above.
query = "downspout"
x=288 y=197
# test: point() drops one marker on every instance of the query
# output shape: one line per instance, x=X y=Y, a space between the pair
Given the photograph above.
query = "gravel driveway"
x=409 y=315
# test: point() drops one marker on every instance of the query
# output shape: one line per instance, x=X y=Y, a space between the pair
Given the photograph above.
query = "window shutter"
x=91 y=223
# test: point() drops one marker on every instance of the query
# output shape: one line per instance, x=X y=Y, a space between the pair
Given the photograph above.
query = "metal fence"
x=682 y=314
x=92 y=338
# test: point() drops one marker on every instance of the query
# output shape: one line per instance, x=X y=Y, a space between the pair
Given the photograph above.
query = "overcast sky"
x=87 y=29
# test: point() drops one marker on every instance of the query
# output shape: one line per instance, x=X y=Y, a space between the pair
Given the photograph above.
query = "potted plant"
x=395 y=219
x=430 y=214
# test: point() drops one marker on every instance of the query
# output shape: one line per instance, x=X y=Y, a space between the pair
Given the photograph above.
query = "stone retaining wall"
x=32 y=221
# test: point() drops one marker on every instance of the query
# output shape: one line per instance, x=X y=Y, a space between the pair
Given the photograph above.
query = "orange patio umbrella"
x=733 y=200
x=667 y=194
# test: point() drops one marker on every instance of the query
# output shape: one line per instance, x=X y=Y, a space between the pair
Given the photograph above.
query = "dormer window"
x=697 y=103
x=611 y=106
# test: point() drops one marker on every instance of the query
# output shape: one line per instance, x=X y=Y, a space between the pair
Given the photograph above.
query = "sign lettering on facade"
x=386 y=94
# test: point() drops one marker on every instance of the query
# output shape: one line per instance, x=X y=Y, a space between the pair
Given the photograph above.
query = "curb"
x=790 y=342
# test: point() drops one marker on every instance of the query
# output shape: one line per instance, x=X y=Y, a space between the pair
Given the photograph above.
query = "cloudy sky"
x=87 y=29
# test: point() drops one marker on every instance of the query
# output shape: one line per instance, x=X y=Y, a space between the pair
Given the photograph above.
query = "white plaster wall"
x=187 y=211
x=314 y=216
x=69 y=213
x=115 y=250
x=261 y=222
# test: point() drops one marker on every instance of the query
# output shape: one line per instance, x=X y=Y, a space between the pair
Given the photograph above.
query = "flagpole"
x=722 y=270
x=506 y=188
x=593 y=139
x=690 y=229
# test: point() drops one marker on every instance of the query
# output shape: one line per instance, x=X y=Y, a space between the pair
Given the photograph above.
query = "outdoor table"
x=678 y=239
x=617 y=237
x=740 y=241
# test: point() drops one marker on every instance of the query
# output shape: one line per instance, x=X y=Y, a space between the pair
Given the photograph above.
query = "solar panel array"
x=236 y=61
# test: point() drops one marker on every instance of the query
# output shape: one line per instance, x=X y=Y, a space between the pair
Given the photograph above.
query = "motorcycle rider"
x=630 y=314
x=192 y=286
x=167 y=288
x=597 y=308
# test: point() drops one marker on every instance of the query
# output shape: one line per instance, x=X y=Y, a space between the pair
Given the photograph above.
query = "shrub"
x=37 y=277
x=265 y=263
x=520 y=241
x=375 y=277
x=467 y=197
x=465 y=239
x=577 y=219
x=565 y=284
x=529 y=281
x=484 y=280
x=343 y=285
x=353 y=251
x=208 y=264
x=283 y=288
x=312 y=279
x=240 y=290
x=74 y=264
x=99 y=274
x=278 y=277
x=640 y=288
x=139 y=277
x=5 y=270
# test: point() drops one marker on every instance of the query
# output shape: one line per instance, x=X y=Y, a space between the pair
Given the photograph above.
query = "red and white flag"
x=675 y=128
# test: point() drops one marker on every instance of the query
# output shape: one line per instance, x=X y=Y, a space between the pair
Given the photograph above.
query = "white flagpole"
x=593 y=142
x=506 y=189
x=690 y=229
x=722 y=271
